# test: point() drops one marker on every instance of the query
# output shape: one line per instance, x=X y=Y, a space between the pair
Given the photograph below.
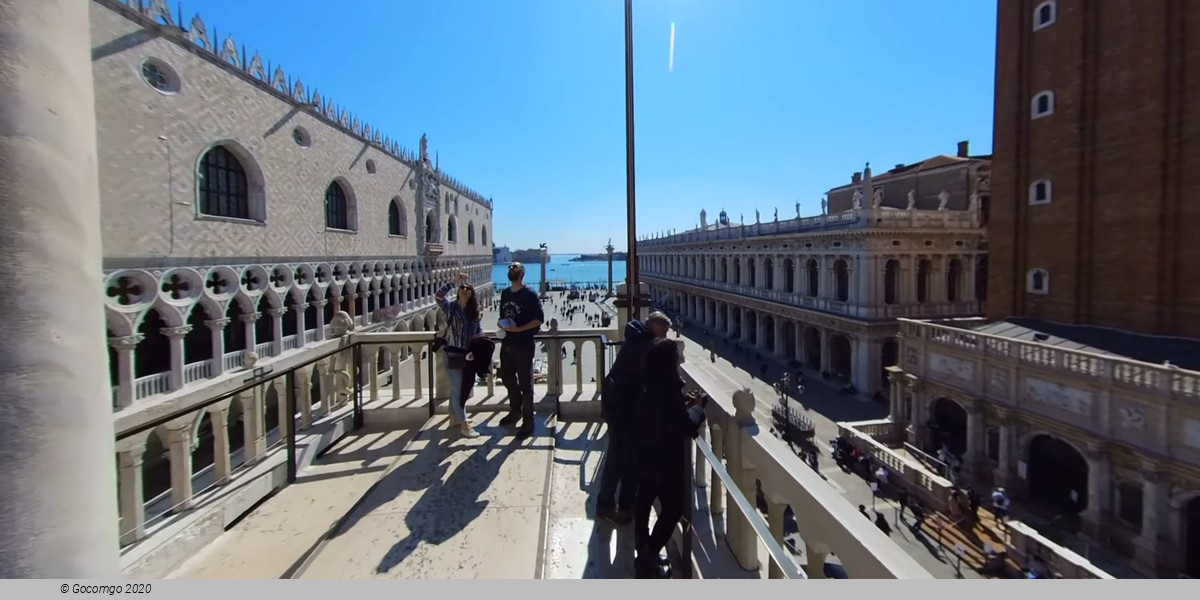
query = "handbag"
x=439 y=338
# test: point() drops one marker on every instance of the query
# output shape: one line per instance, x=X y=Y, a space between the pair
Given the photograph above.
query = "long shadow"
x=281 y=122
x=123 y=43
x=445 y=509
x=602 y=561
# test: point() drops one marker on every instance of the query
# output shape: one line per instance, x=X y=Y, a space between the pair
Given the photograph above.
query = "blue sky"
x=770 y=101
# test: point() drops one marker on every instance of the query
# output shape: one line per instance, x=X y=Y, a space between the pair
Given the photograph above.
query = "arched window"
x=953 y=280
x=337 y=207
x=1038 y=281
x=1044 y=15
x=470 y=232
x=483 y=235
x=397 y=218
x=841 y=274
x=222 y=185
x=750 y=274
x=1043 y=104
x=1041 y=192
x=924 y=269
x=430 y=228
x=891 y=282
x=451 y=231
x=789 y=275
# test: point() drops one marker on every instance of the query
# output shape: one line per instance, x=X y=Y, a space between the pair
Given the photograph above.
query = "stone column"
x=743 y=542
x=826 y=359
x=352 y=300
x=254 y=445
x=396 y=351
x=976 y=434
x=277 y=328
x=248 y=320
x=1095 y=516
x=775 y=509
x=50 y=223
x=780 y=342
x=1155 y=489
x=320 y=306
x=178 y=437
x=1005 y=467
x=131 y=452
x=286 y=420
x=175 y=339
x=816 y=552
x=126 y=375
x=217 y=326
x=218 y=415
x=300 y=318
x=304 y=396
x=716 y=493
x=864 y=355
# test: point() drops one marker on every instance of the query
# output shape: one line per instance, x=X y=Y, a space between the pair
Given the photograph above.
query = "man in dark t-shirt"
x=520 y=318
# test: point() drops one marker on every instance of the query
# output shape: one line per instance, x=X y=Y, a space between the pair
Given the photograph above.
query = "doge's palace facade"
x=241 y=210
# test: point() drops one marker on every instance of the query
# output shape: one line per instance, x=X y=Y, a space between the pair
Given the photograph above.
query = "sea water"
x=562 y=269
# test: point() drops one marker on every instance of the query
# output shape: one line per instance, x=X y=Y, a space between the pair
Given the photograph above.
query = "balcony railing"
x=862 y=218
x=735 y=455
x=159 y=383
x=265 y=349
x=197 y=371
x=291 y=342
x=310 y=337
x=828 y=305
x=1124 y=372
x=234 y=359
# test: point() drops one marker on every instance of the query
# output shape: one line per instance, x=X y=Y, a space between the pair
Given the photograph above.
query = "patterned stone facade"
x=167 y=94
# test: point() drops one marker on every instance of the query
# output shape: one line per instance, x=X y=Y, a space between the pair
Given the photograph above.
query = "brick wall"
x=148 y=185
x=1121 y=151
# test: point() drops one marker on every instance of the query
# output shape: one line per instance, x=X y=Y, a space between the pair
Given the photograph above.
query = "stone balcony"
x=862 y=218
x=365 y=480
x=797 y=299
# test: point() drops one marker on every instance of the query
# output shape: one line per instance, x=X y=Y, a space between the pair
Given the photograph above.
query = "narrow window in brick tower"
x=1043 y=104
x=1044 y=15
x=1038 y=281
x=1041 y=192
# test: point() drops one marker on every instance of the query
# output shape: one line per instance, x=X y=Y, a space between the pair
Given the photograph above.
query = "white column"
x=179 y=448
x=320 y=306
x=780 y=343
x=1005 y=454
x=126 y=375
x=775 y=510
x=50 y=223
x=175 y=339
x=826 y=351
x=254 y=445
x=248 y=320
x=217 y=327
x=300 y=322
x=1099 y=489
x=218 y=415
x=277 y=328
x=865 y=376
x=130 y=504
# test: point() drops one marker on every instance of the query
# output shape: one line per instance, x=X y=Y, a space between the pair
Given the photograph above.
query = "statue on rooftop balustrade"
x=777 y=215
x=858 y=195
x=912 y=199
x=797 y=209
x=756 y=219
x=424 y=147
x=824 y=205
x=878 y=199
x=943 y=199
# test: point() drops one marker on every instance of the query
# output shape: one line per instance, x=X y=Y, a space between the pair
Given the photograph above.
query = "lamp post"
x=632 y=287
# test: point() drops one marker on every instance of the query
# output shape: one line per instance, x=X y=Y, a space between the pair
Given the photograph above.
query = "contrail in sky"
x=671 y=53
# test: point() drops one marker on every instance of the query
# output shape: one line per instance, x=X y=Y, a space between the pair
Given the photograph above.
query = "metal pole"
x=631 y=264
x=290 y=402
x=358 y=372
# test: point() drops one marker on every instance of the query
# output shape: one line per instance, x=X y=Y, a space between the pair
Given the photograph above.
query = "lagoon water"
x=561 y=268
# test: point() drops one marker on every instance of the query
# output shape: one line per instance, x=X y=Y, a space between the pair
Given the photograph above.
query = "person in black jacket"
x=616 y=402
x=662 y=428
x=520 y=317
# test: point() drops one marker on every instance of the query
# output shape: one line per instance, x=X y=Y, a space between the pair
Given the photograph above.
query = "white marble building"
x=241 y=210
x=825 y=291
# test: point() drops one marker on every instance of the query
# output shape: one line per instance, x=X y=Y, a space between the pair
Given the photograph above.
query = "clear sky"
x=771 y=102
